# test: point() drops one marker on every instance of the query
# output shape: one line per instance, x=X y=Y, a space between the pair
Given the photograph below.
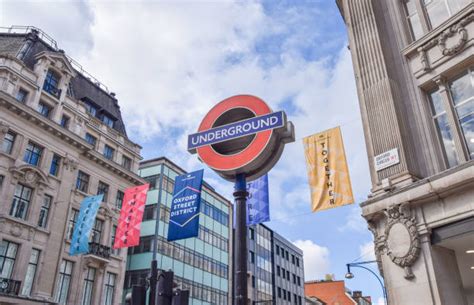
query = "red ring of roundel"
x=221 y=162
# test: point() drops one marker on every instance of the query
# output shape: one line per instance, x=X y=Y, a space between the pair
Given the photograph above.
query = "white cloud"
x=380 y=301
x=354 y=221
x=170 y=61
x=366 y=252
x=316 y=259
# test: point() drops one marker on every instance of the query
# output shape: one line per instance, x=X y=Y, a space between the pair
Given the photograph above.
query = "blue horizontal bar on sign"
x=236 y=130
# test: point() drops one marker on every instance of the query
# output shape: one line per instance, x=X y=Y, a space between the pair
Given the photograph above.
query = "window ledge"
x=19 y=221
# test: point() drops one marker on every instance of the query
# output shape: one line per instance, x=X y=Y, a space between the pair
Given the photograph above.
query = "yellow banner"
x=328 y=174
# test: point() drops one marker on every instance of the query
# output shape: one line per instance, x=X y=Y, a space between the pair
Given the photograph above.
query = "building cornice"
x=438 y=186
x=9 y=103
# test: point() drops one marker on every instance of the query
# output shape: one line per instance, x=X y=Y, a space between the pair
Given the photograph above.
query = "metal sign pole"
x=240 y=197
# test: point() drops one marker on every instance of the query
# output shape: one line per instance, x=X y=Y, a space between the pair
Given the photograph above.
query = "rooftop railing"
x=21 y=29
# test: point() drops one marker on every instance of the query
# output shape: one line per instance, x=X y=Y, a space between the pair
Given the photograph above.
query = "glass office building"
x=202 y=264
x=275 y=268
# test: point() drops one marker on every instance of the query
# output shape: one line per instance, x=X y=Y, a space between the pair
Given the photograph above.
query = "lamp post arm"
x=378 y=278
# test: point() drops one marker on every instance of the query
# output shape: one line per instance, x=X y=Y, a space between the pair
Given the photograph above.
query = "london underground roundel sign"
x=241 y=135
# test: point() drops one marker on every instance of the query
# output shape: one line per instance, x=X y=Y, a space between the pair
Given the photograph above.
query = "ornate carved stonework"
x=379 y=245
x=402 y=243
x=70 y=164
x=30 y=175
x=16 y=230
x=458 y=29
x=3 y=129
x=400 y=239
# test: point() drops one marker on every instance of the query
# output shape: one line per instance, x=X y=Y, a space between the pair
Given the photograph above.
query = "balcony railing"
x=52 y=90
x=99 y=250
x=8 y=286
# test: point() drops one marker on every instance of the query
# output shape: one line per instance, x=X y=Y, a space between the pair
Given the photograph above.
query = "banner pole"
x=240 y=198
x=154 y=263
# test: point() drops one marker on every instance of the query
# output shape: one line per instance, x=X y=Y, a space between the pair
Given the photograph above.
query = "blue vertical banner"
x=185 y=206
x=258 y=207
x=84 y=224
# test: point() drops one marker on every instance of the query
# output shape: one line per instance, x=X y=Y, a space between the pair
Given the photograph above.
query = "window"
x=8 y=142
x=96 y=233
x=70 y=90
x=72 y=222
x=108 y=152
x=294 y=278
x=65 y=121
x=252 y=257
x=82 y=183
x=33 y=154
x=21 y=201
x=440 y=10
x=413 y=19
x=55 y=162
x=64 y=280
x=109 y=289
x=462 y=92
x=119 y=199
x=112 y=241
x=91 y=139
x=8 y=252
x=153 y=181
x=150 y=212
x=126 y=162
x=107 y=120
x=251 y=234
x=278 y=270
x=44 y=212
x=279 y=292
x=30 y=272
x=88 y=286
x=277 y=250
x=21 y=95
x=44 y=109
x=92 y=109
x=293 y=261
x=298 y=280
x=287 y=275
x=460 y=96
x=103 y=188
x=51 y=83
x=297 y=262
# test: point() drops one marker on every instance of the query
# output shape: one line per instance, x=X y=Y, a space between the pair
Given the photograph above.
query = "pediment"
x=30 y=175
x=59 y=60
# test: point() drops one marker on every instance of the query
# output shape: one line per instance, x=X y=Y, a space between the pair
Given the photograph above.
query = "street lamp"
x=350 y=275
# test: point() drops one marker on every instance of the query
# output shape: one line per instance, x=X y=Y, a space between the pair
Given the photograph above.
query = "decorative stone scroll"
x=458 y=29
x=402 y=243
x=379 y=245
x=400 y=239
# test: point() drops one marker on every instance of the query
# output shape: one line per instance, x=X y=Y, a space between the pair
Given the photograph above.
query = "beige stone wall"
x=394 y=75
x=76 y=154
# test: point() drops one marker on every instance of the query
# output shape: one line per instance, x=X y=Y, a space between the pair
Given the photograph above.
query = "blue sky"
x=170 y=61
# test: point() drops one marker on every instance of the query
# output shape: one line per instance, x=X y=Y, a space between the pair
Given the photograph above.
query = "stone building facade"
x=62 y=139
x=413 y=63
